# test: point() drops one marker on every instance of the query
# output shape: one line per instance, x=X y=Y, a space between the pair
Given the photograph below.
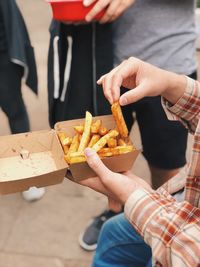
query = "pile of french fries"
x=106 y=142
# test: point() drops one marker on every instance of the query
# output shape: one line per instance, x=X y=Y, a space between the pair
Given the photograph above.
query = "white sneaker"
x=33 y=194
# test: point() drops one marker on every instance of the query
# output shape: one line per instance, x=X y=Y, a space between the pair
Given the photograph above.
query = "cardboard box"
x=45 y=165
x=80 y=171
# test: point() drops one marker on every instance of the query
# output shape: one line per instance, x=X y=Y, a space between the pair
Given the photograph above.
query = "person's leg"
x=120 y=245
x=149 y=264
x=164 y=142
x=12 y=104
x=11 y=100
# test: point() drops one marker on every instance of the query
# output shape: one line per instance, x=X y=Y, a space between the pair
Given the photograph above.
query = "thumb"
x=96 y=164
x=134 y=95
x=88 y=2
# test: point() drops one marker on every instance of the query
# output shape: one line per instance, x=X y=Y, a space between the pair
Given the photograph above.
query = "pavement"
x=45 y=233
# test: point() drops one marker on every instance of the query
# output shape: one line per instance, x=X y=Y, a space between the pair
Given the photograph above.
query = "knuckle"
x=93 y=163
x=109 y=14
x=115 y=75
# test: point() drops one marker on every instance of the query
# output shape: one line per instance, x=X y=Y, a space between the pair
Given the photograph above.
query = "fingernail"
x=89 y=152
x=86 y=3
x=123 y=101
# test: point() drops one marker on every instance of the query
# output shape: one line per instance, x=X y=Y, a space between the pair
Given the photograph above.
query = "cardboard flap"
x=43 y=166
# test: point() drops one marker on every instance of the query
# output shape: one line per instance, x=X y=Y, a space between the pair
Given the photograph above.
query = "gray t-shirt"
x=161 y=32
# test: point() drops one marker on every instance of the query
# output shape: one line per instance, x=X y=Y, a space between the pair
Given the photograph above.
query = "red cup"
x=71 y=10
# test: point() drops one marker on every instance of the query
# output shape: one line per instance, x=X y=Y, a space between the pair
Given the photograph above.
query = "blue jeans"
x=120 y=245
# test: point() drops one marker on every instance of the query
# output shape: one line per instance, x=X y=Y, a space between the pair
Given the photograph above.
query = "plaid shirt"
x=172 y=229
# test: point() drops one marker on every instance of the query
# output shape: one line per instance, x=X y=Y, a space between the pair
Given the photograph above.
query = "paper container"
x=71 y=10
x=45 y=165
x=81 y=171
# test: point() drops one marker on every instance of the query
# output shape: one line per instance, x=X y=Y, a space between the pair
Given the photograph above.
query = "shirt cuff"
x=188 y=106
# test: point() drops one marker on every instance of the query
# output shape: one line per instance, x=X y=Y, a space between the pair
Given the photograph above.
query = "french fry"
x=103 y=130
x=71 y=160
x=102 y=142
x=118 y=150
x=121 y=125
x=67 y=141
x=121 y=142
x=95 y=138
x=105 y=152
x=86 y=133
x=95 y=127
x=74 y=145
x=62 y=136
x=79 y=129
x=112 y=142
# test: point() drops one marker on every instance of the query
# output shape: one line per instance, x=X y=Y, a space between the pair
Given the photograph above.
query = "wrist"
x=176 y=86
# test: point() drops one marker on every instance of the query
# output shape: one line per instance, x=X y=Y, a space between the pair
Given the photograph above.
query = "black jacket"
x=19 y=47
x=78 y=56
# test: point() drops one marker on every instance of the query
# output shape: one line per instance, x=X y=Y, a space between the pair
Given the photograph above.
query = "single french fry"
x=103 y=130
x=79 y=137
x=86 y=133
x=122 y=149
x=71 y=160
x=121 y=125
x=105 y=152
x=118 y=150
x=102 y=142
x=67 y=141
x=121 y=142
x=74 y=145
x=62 y=137
x=95 y=138
x=76 y=154
x=79 y=129
x=95 y=127
x=112 y=142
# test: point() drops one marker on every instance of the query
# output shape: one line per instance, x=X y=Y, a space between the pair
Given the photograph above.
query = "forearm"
x=177 y=85
x=161 y=221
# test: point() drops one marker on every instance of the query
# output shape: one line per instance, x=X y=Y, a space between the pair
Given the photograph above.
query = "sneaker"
x=88 y=239
x=33 y=194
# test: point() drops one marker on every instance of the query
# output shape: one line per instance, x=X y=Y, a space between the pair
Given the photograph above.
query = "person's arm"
x=181 y=94
x=171 y=229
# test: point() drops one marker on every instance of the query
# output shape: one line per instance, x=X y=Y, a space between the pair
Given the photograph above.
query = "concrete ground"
x=45 y=233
